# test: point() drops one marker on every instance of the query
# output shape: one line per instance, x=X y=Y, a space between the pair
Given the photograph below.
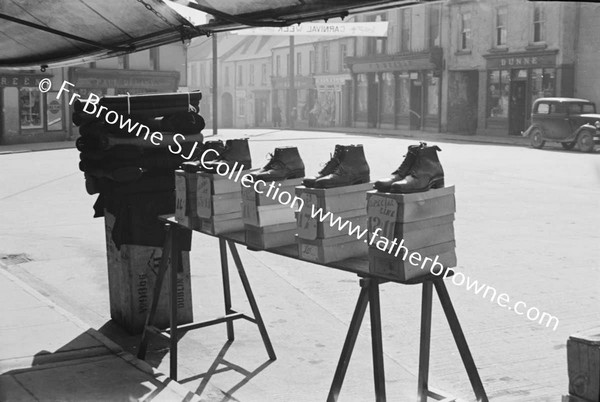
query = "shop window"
x=361 y=93
x=403 y=94
x=539 y=24
x=501 y=21
x=542 y=82
x=30 y=105
x=498 y=91
x=387 y=93
x=465 y=31
x=432 y=94
x=405 y=25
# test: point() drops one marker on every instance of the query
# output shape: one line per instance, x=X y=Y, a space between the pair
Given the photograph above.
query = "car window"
x=588 y=108
x=574 y=108
x=543 y=108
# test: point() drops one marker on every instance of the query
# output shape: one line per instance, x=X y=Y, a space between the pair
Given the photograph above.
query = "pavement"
x=51 y=355
x=524 y=224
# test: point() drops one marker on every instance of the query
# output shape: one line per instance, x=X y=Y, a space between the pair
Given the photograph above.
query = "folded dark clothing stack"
x=129 y=157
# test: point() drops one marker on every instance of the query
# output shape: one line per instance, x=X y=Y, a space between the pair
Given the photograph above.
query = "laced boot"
x=385 y=185
x=285 y=164
x=195 y=165
x=425 y=173
x=235 y=151
x=352 y=169
x=328 y=168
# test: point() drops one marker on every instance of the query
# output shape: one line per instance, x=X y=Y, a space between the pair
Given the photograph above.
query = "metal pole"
x=215 y=95
x=291 y=92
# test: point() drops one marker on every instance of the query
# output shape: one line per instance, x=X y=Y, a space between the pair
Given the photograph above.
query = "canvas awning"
x=36 y=33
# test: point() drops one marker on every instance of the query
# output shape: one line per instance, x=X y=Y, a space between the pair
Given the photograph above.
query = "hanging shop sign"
x=379 y=28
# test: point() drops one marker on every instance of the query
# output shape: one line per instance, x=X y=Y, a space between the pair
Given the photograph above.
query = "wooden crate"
x=583 y=362
x=271 y=236
x=387 y=265
x=312 y=228
x=219 y=224
x=329 y=250
x=131 y=275
x=410 y=207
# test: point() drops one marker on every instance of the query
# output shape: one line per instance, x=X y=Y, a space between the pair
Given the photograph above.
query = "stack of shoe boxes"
x=268 y=222
x=411 y=235
x=323 y=242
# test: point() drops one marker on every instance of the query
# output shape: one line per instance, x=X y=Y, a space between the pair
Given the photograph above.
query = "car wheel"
x=537 y=139
x=568 y=145
x=585 y=141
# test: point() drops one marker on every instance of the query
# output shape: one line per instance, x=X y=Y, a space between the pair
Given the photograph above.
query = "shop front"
x=331 y=107
x=29 y=115
x=305 y=98
x=400 y=91
x=514 y=81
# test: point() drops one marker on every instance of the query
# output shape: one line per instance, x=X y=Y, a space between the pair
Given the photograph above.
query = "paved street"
x=526 y=223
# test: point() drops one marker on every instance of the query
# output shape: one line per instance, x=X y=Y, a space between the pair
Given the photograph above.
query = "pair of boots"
x=232 y=151
x=420 y=171
x=347 y=166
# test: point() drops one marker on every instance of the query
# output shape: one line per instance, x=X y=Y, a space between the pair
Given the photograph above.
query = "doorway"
x=517 y=107
x=416 y=103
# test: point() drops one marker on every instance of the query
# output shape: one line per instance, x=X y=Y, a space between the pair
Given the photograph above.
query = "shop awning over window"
x=60 y=32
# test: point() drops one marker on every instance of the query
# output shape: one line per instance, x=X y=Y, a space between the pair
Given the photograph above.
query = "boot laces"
x=333 y=161
x=273 y=162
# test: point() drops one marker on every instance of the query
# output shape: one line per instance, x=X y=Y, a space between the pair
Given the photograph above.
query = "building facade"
x=29 y=115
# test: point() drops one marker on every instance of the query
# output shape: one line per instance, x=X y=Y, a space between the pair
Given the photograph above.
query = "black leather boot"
x=285 y=164
x=425 y=173
x=328 y=168
x=352 y=169
x=385 y=185
x=235 y=151
x=194 y=166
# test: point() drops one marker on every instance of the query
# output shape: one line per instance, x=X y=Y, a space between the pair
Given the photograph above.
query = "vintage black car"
x=570 y=121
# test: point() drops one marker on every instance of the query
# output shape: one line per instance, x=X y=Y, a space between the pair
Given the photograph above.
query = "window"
x=539 y=23
x=30 y=105
x=241 y=102
x=154 y=59
x=263 y=74
x=240 y=76
x=123 y=62
x=343 y=55
x=251 y=76
x=377 y=45
x=298 y=63
x=501 y=19
x=311 y=61
x=543 y=108
x=325 y=66
x=227 y=76
x=542 y=82
x=434 y=25
x=588 y=108
x=432 y=94
x=402 y=94
x=361 y=93
x=498 y=90
x=277 y=65
x=465 y=31
x=387 y=93
x=405 y=24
